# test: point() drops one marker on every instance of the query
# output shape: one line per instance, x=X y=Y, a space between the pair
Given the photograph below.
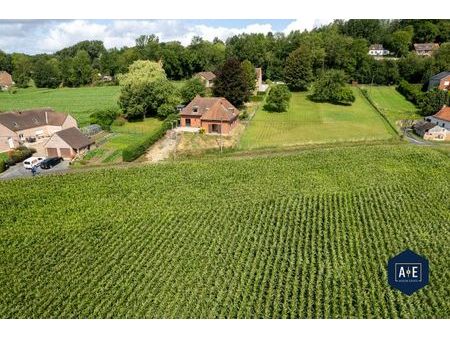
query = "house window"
x=214 y=128
x=188 y=122
x=195 y=109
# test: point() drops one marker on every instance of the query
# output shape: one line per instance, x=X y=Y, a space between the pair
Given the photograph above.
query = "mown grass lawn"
x=309 y=122
x=392 y=103
x=80 y=102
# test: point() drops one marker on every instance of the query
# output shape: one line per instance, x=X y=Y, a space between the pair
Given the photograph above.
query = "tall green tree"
x=331 y=86
x=22 y=67
x=81 y=73
x=5 y=62
x=298 y=72
x=231 y=82
x=145 y=91
x=250 y=75
x=191 y=89
x=401 y=41
x=47 y=73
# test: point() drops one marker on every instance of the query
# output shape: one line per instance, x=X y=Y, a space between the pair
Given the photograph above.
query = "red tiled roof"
x=211 y=109
x=5 y=79
x=443 y=114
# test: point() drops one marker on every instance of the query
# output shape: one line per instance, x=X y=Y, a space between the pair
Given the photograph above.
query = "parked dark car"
x=50 y=162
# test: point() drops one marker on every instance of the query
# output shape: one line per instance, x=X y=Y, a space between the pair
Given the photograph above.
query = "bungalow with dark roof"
x=440 y=81
x=215 y=115
x=207 y=78
x=68 y=143
x=17 y=127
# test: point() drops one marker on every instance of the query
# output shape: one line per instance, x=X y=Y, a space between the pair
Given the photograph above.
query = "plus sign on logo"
x=408 y=272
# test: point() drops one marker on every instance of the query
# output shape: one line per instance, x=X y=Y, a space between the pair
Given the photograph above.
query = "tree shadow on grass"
x=312 y=99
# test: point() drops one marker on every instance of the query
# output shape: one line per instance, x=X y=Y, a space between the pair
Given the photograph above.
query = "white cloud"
x=306 y=24
x=46 y=36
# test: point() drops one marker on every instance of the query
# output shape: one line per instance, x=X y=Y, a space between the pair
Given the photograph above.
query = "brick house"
x=67 y=143
x=425 y=49
x=216 y=115
x=207 y=78
x=441 y=81
x=6 y=80
x=17 y=127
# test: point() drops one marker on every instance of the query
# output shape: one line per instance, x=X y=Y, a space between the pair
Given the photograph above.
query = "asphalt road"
x=19 y=171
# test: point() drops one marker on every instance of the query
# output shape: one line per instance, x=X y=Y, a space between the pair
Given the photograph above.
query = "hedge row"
x=15 y=156
x=410 y=92
x=134 y=151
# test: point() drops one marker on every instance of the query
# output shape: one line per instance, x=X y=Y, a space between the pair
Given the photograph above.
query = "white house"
x=378 y=50
x=441 y=118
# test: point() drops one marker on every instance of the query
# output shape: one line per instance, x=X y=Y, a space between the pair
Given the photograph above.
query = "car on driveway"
x=31 y=162
x=50 y=162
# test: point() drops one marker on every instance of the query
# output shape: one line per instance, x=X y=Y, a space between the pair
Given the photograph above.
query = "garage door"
x=52 y=152
x=65 y=153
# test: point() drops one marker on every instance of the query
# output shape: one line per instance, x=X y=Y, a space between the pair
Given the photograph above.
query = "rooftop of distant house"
x=26 y=119
x=207 y=75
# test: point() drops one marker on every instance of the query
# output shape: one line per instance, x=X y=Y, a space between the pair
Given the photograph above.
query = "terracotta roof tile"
x=443 y=114
x=211 y=109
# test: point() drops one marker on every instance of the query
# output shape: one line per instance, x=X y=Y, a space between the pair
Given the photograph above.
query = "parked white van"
x=31 y=162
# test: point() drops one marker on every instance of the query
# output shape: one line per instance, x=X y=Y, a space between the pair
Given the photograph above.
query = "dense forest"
x=340 y=45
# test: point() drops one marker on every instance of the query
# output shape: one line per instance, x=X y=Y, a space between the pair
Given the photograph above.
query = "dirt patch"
x=163 y=148
x=197 y=143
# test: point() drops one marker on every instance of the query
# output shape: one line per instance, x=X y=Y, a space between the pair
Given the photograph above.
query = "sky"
x=48 y=36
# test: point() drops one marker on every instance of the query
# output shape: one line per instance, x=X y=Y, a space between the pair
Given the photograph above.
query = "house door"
x=214 y=128
x=188 y=122
x=65 y=153
x=52 y=152
x=11 y=142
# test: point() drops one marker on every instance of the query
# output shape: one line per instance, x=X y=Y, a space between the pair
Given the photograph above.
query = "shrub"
x=2 y=165
x=119 y=121
x=410 y=92
x=134 y=151
x=19 y=155
x=278 y=98
x=104 y=118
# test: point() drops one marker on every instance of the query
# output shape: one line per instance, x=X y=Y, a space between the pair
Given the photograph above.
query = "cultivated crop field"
x=308 y=122
x=299 y=236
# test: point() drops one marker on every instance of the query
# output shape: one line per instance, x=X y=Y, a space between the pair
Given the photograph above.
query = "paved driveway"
x=19 y=171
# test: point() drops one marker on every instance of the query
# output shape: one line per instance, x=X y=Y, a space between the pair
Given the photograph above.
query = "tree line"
x=295 y=58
